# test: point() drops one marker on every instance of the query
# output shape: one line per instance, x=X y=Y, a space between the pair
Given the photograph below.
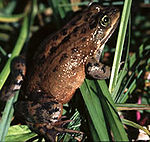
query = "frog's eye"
x=105 y=21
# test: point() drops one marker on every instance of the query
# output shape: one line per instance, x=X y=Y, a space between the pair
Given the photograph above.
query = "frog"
x=59 y=67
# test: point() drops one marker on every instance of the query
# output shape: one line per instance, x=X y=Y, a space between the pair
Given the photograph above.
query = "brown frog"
x=58 y=68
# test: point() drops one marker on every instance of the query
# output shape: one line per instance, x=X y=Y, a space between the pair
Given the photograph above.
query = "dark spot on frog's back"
x=64 y=56
x=33 y=104
x=92 y=24
x=55 y=37
x=84 y=39
x=87 y=16
x=53 y=50
x=86 y=19
x=41 y=60
x=64 y=31
x=76 y=20
x=40 y=74
x=55 y=69
x=65 y=39
x=83 y=31
x=75 y=29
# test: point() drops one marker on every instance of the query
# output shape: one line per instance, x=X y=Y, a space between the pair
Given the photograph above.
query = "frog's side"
x=59 y=65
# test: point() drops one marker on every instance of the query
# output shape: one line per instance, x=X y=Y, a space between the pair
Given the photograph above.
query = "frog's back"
x=58 y=68
x=59 y=65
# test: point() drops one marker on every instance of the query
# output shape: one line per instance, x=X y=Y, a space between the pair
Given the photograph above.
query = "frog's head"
x=102 y=21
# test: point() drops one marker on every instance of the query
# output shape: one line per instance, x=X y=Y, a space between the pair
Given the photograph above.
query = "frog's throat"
x=110 y=32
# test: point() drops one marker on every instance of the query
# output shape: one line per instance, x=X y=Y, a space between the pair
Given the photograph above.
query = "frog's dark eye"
x=105 y=21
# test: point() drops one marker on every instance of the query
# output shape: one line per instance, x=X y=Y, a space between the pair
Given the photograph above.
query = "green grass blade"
x=94 y=103
x=123 y=72
x=83 y=3
x=66 y=8
x=118 y=95
x=6 y=27
x=95 y=109
x=111 y=114
x=74 y=125
x=3 y=51
x=133 y=85
x=133 y=106
x=9 y=8
x=120 y=43
x=135 y=125
x=93 y=131
x=34 y=11
x=56 y=13
x=11 y=18
x=7 y=116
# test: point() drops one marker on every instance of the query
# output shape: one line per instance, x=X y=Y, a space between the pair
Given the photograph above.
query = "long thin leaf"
x=133 y=124
x=95 y=109
x=120 y=43
x=132 y=106
x=111 y=113
x=133 y=85
x=123 y=72
x=11 y=18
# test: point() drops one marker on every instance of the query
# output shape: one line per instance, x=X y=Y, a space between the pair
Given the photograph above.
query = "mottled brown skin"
x=59 y=66
x=18 y=71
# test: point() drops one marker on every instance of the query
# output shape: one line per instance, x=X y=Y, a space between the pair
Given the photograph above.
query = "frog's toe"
x=50 y=131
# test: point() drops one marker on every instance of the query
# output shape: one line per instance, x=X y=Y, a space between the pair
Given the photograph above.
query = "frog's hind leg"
x=44 y=118
x=97 y=70
x=18 y=70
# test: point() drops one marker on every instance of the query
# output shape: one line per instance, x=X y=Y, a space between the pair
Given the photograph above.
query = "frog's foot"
x=51 y=130
x=44 y=118
x=64 y=130
x=58 y=126
x=97 y=70
x=18 y=70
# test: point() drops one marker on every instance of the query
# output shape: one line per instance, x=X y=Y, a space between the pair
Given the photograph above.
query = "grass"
x=102 y=102
x=119 y=46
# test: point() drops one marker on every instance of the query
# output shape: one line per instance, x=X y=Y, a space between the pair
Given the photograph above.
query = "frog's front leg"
x=44 y=118
x=97 y=70
x=18 y=70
